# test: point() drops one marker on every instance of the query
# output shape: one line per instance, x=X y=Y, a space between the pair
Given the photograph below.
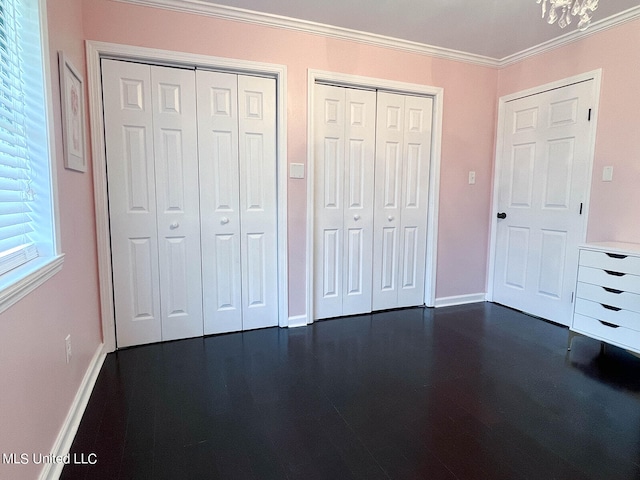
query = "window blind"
x=16 y=172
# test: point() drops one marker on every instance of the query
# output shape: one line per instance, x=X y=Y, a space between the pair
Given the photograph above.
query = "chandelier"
x=563 y=11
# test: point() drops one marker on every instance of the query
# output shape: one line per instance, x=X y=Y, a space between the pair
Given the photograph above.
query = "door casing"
x=356 y=81
x=95 y=51
x=596 y=77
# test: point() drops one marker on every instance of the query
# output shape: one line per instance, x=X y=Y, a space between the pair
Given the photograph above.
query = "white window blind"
x=23 y=151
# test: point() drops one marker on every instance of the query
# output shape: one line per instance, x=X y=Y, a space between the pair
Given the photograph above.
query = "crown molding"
x=572 y=36
x=201 y=7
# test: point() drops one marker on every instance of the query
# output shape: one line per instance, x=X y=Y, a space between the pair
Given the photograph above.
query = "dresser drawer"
x=616 y=298
x=621 y=318
x=604 y=278
x=621 y=336
x=610 y=261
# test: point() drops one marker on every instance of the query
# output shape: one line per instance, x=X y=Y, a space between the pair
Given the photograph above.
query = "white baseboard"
x=297 y=321
x=61 y=447
x=460 y=300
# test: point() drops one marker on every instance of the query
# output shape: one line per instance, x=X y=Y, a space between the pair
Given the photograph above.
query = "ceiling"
x=491 y=28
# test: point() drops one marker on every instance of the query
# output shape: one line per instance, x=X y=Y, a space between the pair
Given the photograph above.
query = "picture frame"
x=73 y=115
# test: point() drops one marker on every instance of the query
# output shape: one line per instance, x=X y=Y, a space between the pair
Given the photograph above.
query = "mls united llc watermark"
x=39 y=458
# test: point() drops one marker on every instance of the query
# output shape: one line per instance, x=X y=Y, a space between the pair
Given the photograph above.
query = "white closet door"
x=219 y=201
x=178 y=217
x=403 y=139
x=415 y=199
x=132 y=201
x=329 y=133
x=152 y=171
x=258 y=201
x=344 y=137
x=237 y=149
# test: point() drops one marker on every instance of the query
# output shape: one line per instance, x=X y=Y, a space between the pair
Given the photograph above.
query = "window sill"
x=18 y=283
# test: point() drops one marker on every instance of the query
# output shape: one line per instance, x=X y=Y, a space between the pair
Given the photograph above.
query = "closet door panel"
x=415 y=197
x=387 y=241
x=360 y=131
x=258 y=201
x=178 y=215
x=217 y=95
x=132 y=201
x=329 y=148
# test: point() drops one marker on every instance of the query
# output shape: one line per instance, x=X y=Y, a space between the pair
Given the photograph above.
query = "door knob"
x=174 y=225
x=390 y=218
x=502 y=215
x=224 y=220
x=356 y=217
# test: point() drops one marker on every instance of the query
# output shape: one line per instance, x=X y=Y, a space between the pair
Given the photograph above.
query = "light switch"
x=296 y=170
x=607 y=174
x=472 y=178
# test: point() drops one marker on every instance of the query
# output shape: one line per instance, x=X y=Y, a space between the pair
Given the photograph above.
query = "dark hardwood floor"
x=471 y=392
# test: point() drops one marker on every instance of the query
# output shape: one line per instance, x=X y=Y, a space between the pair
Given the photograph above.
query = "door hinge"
x=580 y=208
x=589 y=116
x=572 y=297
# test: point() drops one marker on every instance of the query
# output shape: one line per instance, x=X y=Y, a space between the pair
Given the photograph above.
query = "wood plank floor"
x=470 y=392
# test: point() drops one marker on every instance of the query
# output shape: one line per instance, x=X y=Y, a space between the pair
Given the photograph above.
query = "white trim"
x=596 y=77
x=572 y=36
x=298 y=321
x=96 y=51
x=69 y=428
x=200 y=7
x=460 y=300
x=437 y=93
x=205 y=8
x=21 y=281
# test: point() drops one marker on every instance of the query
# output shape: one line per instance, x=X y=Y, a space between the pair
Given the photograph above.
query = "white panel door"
x=237 y=150
x=258 y=201
x=178 y=215
x=403 y=142
x=344 y=136
x=132 y=201
x=152 y=169
x=219 y=201
x=543 y=184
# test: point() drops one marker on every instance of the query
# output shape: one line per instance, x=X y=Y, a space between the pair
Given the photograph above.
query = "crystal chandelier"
x=562 y=11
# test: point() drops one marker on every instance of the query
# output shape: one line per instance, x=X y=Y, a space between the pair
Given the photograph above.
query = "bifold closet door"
x=237 y=151
x=403 y=153
x=152 y=171
x=344 y=137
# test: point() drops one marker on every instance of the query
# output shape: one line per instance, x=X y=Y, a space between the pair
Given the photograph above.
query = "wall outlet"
x=472 y=178
x=67 y=345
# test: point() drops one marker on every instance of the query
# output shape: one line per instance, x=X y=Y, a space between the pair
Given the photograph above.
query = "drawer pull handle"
x=616 y=255
x=613 y=290
x=617 y=274
x=607 y=324
x=609 y=307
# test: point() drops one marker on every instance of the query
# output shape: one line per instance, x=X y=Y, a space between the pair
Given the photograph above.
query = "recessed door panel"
x=516 y=258
x=557 y=186
x=522 y=166
x=551 y=276
x=136 y=158
x=141 y=261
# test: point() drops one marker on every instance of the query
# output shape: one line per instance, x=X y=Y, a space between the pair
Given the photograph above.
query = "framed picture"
x=72 y=97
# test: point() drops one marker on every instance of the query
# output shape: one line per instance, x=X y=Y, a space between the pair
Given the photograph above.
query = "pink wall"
x=469 y=113
x=38 y=386
x=614 y=213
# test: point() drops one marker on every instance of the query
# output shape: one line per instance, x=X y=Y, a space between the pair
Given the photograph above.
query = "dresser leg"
x=603 y=348
x=570 y=339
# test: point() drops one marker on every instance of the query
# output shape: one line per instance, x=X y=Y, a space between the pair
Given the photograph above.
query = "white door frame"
x=97 y=50
x=596 y=76
x=356 y=81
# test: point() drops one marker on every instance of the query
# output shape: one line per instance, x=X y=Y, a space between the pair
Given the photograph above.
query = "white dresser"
x=607 y=304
